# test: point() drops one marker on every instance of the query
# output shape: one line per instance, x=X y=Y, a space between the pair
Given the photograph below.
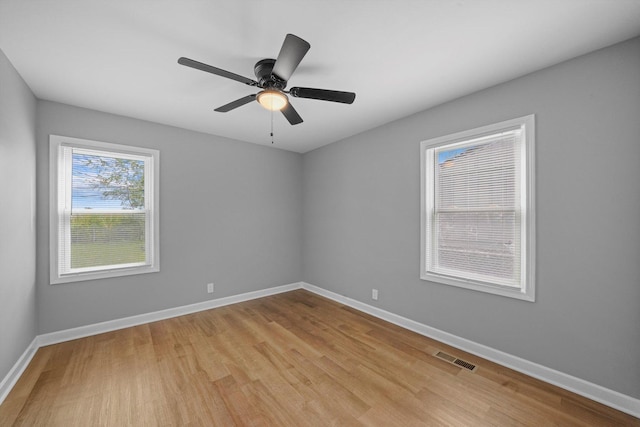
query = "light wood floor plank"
x=293 y=359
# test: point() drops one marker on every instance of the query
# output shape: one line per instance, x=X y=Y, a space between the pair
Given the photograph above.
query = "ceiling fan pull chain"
x=271 y=126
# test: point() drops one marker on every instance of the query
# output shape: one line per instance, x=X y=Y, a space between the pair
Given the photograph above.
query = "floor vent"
x=454 y=360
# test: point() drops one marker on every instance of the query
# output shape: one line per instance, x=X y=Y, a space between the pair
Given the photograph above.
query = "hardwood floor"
x=293 y=359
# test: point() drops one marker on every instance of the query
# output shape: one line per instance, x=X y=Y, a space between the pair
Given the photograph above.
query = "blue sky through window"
x=443 y=156
x=87 y=190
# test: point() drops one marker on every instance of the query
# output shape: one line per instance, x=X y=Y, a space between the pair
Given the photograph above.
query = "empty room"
x=292 y=213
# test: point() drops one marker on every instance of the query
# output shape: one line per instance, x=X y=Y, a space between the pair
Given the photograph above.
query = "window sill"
x=526 y=294
x=105 y=274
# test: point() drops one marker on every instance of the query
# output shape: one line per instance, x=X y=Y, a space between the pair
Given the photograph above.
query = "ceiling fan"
x=272 y=76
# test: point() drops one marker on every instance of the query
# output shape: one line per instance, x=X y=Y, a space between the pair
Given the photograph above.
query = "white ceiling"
x=399 y=56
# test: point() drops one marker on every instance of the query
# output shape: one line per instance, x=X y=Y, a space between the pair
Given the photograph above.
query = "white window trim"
x=527 y=290
x=152 y=264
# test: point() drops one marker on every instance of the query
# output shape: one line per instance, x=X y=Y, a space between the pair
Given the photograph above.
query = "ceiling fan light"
x=272 y=100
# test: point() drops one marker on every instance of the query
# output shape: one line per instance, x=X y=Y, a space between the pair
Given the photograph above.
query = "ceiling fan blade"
x=291 y=114
x=291 y=53
x=217 y=71
x=323 y=94
x=235 y=104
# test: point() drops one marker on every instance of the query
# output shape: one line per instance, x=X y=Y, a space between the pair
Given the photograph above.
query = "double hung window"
x=104 y=210
x=477 y=209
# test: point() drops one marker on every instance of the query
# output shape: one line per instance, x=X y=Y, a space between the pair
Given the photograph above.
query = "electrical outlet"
x=210 y=288
x=374 y=294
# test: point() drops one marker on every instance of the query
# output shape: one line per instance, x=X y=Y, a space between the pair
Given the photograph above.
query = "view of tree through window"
x=107 y=217
x=104 y=219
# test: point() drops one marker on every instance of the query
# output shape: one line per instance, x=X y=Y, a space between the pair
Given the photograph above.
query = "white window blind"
x=476 y=209
x=106 y=212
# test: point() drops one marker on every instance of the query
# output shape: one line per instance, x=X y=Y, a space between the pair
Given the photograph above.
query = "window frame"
x=151 y=157
x=526 y=289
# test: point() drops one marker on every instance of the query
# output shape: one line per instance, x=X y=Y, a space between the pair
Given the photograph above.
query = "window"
x=477 y=219
x=103 y=210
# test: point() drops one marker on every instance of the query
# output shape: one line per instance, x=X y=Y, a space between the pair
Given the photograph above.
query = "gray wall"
x=18 y=317
x=230 y=213
x=361 y=220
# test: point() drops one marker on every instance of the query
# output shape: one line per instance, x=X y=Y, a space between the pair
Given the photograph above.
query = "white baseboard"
x=576 y=385
x=126 y=322
x=584 y=388
x=18 y=368
x=112 y=325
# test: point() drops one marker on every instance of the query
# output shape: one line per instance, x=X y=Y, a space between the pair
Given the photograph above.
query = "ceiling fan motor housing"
x=263 y=69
